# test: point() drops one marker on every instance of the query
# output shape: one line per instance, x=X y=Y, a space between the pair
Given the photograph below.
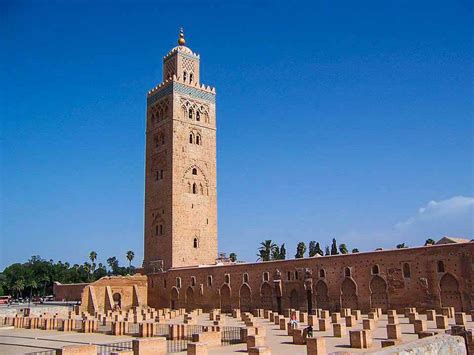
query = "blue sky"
x=351 y=120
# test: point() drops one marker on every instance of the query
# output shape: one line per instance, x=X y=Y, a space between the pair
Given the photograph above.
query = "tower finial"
x=181 y=40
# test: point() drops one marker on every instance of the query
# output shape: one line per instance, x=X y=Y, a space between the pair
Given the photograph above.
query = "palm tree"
x=93 y=258
x=130 y=256
x=266 y=249
x=18 y=286
x=113 y=263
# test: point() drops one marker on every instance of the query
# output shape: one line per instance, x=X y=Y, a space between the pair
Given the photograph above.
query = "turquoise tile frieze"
x=182 y=89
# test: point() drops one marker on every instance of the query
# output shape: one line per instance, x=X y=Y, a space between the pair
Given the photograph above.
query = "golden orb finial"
x=181 y=40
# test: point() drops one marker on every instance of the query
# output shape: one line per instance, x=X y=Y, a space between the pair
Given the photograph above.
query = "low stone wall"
x=68 y=292
x=35 y=310
x=436 y=345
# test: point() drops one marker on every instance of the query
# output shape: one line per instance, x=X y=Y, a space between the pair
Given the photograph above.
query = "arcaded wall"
x=425 y=277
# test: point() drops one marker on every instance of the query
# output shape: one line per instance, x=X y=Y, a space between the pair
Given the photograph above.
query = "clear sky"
x=342 y=119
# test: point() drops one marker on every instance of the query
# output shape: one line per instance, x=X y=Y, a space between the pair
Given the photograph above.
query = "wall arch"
x=294 y=300
x=190 y=301
x=378 y=293
x=450 y=295
x=266 y=293
x=349 y=294
x=226 y=305
x=245 y=298
x=322 y=298
x=174 y=298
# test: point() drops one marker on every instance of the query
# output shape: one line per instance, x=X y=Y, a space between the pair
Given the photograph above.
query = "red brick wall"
x=68 y=292
x=425 y=287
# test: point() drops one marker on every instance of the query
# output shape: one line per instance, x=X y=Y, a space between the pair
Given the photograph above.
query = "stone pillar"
x=368 y=324
x=255 y=340
x=350 y=321
x=323 y=324
x=316 y=346
x=460 y=318
x=339 y=330
x=149 y=346
x=430 y=314
x=441 y=322
x=394 y=331
x=356 y=313
x=336 y=317
x=197 y=349
x=360 y=339
x=78 y=350
x=419 y=326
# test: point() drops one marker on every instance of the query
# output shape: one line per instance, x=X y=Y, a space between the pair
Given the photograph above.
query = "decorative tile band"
x=183 y=90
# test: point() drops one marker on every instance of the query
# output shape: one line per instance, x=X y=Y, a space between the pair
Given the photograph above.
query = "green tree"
x=266 y=249
x=300 y=250
x=113 y=264
x=355 y=250
x=233 y=257
x=93 y=258
x=282 y=252
x=334 y=247
x=343 y=249
x=18 y=287
x=327 y=252
x=402 y=246
x=130 y=256
x=430 y=241
x=315 y=249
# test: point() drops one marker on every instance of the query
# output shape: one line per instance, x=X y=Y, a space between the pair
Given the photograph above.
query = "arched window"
x=198 y=116
x=194 y=188
x=191 y=138
x=198 y=139
x=209 y=280
x=322 y=273
x=185 y=76
x=190 y=113
x=289 y=275
x=157 y=229
x=347 y=272
x=375 y=270
x=296 y=275
x=191 y=77
x=227 y=278
x=195 y=171
x=266 y=276
x=193 y=281
x=440 y=266
x=195 y=243
x=406 y=271
x=178 y=282
x=246 y=278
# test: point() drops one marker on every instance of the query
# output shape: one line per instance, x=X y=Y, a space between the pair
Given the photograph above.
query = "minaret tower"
x=180 y=179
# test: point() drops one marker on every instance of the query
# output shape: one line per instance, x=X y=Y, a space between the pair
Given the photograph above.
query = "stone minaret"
x=180 y=178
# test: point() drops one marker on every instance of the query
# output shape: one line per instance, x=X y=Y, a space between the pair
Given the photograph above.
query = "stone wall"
x=68 y=292
x=424 y=277
x=115 y=292
x=436 y=345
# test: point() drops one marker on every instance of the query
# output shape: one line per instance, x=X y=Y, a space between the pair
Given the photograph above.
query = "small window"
x=185 y=76
x=191 y=77
x=347 y=272
x=440 y=266
x=178 y=282
x=161 y=174
x=191 y=138
x=194 y=189
x=246 y=278
x=157 y=142
x=296 y=275
x=195 y=171
x=157 y=230
x=198 y=140
x=289 y=275
x=157 y=175
x=266 y=276
x=195 y=243
x=406 y=271
x=198 y=116
x=227 y=278
x=190 y=114
x=209 y=280
x=193 y=281
x=375 y=270
x=164 y=283
x=161 y=229
x=322 y=273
